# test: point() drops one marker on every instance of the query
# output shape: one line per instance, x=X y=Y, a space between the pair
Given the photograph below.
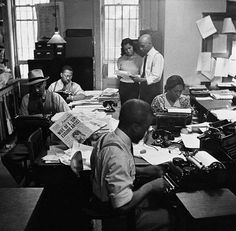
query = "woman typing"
x=172 y=97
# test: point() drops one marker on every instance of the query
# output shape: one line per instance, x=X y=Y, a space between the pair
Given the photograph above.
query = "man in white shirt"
x=70 y=91
x=151 y=70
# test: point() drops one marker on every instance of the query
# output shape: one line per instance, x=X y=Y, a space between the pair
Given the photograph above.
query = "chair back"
x=36 y=145
x=25 y=125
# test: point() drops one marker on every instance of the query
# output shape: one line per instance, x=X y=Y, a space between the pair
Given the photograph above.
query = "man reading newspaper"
x=70 y=127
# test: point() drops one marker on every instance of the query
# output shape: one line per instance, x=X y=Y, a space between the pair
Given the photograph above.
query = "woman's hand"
x=137 y=78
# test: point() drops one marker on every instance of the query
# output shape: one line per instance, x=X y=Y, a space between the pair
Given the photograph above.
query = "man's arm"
x=59 y=103
x=77 y=92
x=24 y=105
x=155 y=186
x=51 y=87
x=150 y=171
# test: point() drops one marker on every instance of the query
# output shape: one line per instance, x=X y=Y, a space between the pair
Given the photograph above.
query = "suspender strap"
x=107 y=145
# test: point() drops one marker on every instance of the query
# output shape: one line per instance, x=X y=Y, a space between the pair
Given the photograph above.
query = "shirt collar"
x=123 y=137
x=151 y=51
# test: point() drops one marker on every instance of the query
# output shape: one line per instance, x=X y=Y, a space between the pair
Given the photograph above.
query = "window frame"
x=23 y=63
x=105 y=60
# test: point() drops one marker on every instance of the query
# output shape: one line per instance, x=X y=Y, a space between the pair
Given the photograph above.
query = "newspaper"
x=123 y=74
x=71 y=127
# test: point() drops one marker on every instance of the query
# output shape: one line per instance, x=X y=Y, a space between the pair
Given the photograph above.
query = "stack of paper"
x=222 y=94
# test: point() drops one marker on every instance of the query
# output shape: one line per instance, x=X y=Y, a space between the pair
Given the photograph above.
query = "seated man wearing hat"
x=70 y=91
x=39 y=100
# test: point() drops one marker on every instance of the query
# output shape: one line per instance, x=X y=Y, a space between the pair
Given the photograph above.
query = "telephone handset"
x=162 y=137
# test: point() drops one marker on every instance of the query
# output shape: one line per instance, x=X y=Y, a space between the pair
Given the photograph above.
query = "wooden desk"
x=16 y=207
x=209 y=209
x=204 y=106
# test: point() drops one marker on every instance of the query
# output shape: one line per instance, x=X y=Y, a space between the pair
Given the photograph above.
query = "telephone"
x=109 y=105
x=159 y=137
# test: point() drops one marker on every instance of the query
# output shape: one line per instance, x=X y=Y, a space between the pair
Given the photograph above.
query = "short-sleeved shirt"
x=113 y=169
x=54 y=103
x=72 y=87
x=160 y=103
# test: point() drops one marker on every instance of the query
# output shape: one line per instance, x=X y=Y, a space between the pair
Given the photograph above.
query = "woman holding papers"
x=128 y=64
x=172 y=98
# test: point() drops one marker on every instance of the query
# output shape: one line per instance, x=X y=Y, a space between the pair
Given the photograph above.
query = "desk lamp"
x=56 y=38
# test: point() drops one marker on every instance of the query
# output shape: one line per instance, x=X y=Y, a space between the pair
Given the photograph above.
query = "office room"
x=70 y=105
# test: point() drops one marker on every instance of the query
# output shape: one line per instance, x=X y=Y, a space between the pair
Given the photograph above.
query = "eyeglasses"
x=67 y=76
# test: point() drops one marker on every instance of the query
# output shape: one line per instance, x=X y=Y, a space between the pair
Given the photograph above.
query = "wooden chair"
x=109 y=220
x=37 y=148
x=16 y=159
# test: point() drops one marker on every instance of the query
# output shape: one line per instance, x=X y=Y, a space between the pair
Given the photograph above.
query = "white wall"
x=182 y=40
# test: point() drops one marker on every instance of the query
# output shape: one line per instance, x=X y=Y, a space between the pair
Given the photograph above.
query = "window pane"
x=30 y=2
x=24 y=71
x=109 y=2
x=121 y=21
x=130 y=2
x=26 y=31
x=24 y=13
x=133 y=31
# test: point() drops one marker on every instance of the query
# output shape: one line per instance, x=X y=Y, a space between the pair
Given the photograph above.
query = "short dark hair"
x=173 y=81
x=134 y=111
x=66 y=67
x=125 y=42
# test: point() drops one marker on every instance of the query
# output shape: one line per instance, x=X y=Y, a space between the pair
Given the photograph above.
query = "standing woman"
x=130 y=62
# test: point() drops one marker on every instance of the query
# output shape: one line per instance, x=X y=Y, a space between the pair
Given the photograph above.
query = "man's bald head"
x=145 y=43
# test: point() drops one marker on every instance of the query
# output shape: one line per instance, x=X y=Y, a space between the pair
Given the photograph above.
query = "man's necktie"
x=144 y=66
x=132 y=149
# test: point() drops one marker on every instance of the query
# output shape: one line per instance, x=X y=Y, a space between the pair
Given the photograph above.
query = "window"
x=121 y=20
x=26 y=31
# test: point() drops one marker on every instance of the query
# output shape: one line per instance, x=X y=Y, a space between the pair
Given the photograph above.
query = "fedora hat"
x=36 y=76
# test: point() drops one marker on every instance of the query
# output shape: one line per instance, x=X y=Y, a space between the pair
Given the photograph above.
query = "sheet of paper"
x=210 y=74
x=123 y=74
x=155 y=155
x=219 y=43
x=232 y=68
x=206 y=26
x=191 y=140
x=222 y=114
x=205 y=158
x=179 y=110
x=93 y=93
x=222 y=67
x=204 y=98
x=204 y=61
x=233 y=54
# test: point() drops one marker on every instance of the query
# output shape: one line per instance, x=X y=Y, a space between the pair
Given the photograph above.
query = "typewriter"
x=172 y=120
x=187 y=175
x=220 y=141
